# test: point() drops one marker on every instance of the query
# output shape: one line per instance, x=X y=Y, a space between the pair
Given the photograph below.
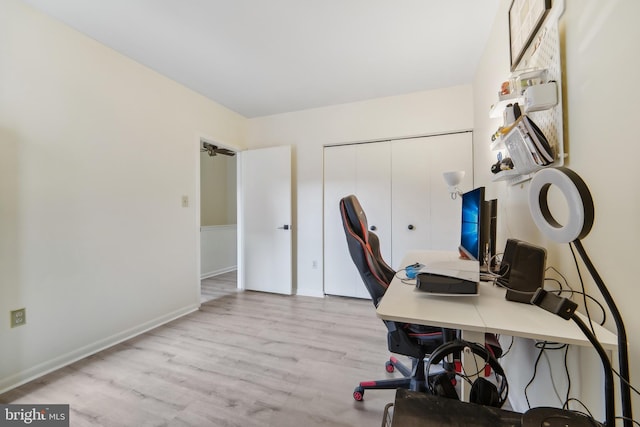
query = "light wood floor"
x=244 y=359
x=218 y=286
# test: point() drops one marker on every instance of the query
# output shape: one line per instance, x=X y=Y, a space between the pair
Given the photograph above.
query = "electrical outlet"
x=314 y=264
x=18 y=317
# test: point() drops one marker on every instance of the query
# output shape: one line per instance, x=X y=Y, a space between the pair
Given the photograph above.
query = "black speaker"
x=507 y=261
x=526 y=273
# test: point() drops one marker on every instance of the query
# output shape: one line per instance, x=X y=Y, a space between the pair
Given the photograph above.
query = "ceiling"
x=263 y=57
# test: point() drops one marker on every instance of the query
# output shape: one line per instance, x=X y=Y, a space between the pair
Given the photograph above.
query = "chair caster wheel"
x=389 y=366
x=358 y=394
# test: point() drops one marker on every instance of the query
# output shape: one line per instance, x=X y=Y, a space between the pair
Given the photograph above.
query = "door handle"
x=284 y=227
x=373 y=228
x=410 y=227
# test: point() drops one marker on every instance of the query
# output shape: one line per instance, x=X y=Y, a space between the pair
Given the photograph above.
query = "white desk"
x=475 y=315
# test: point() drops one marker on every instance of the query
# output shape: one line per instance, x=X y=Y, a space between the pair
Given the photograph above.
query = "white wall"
x=218 y=249
x=217 y=190
x=307 y=131
x=600 y=72
x=96 y=152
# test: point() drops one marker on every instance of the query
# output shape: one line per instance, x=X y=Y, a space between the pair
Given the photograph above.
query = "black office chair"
x=415 y=341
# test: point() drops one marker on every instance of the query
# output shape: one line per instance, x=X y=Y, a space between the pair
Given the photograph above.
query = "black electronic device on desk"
x=443 y=284
x=452 y=276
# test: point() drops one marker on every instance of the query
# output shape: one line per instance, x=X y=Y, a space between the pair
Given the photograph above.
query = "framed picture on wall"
x=525 y=18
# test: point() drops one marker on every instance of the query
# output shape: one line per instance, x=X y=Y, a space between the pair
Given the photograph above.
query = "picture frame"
x=525 y=19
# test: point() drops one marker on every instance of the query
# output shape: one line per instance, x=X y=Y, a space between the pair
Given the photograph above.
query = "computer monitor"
x=489 y=217
x=478 y=227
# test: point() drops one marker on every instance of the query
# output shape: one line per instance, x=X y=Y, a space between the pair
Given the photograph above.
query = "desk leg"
x=469 y=365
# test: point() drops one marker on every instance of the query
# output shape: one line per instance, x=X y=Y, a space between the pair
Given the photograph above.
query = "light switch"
x=185 y=201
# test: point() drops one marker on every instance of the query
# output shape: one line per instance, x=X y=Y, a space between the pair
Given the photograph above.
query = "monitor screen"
x=470 y=231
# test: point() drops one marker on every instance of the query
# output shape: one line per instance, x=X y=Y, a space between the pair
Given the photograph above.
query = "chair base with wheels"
x=412 y=379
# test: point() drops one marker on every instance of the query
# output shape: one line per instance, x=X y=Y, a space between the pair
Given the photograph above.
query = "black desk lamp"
x=581 y=214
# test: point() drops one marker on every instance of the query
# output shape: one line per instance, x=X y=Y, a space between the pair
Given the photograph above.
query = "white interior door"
x=265 y=229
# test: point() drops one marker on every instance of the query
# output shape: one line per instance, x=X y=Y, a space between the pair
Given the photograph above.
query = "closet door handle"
x=410 y=227
x=373 y=228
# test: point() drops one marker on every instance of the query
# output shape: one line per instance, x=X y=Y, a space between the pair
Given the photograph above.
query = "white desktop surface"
x=402 y=302
x=501 y=316
x=487 y=312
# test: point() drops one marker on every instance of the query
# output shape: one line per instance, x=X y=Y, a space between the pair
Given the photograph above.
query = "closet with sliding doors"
x=400 y=186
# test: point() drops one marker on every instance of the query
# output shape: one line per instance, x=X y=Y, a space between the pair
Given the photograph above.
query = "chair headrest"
x=355 y=215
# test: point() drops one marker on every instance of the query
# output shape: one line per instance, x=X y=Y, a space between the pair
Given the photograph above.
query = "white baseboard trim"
x=310 y=293
x=49 y=366
x=218 y=272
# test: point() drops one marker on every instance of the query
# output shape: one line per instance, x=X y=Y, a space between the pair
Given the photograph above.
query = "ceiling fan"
x=214 y=150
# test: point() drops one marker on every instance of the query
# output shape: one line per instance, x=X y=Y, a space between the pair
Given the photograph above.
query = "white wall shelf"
x=541 y=64
x=497 y=108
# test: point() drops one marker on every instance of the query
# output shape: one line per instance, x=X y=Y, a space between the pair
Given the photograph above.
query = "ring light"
x=578 y=200
x=580 y=221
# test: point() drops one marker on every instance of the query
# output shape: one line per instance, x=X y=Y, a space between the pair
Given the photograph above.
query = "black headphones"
x=483 y=391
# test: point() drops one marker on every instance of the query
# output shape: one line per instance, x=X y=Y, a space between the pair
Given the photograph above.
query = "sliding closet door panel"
x=340 y=276
x=374 y=190
x=449 y=153
x=423 y=214
x=410 y=202
x=363 y=170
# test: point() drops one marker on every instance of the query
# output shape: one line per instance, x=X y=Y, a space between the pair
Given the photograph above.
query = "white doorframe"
x=198 y=143
x=240 y=227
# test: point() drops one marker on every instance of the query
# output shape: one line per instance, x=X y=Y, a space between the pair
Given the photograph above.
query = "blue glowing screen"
x=470 y=228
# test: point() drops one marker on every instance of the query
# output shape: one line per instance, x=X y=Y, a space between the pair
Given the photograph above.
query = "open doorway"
x=218 y=221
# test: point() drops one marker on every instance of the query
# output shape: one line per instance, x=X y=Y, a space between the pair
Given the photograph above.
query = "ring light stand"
x=581 y=215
